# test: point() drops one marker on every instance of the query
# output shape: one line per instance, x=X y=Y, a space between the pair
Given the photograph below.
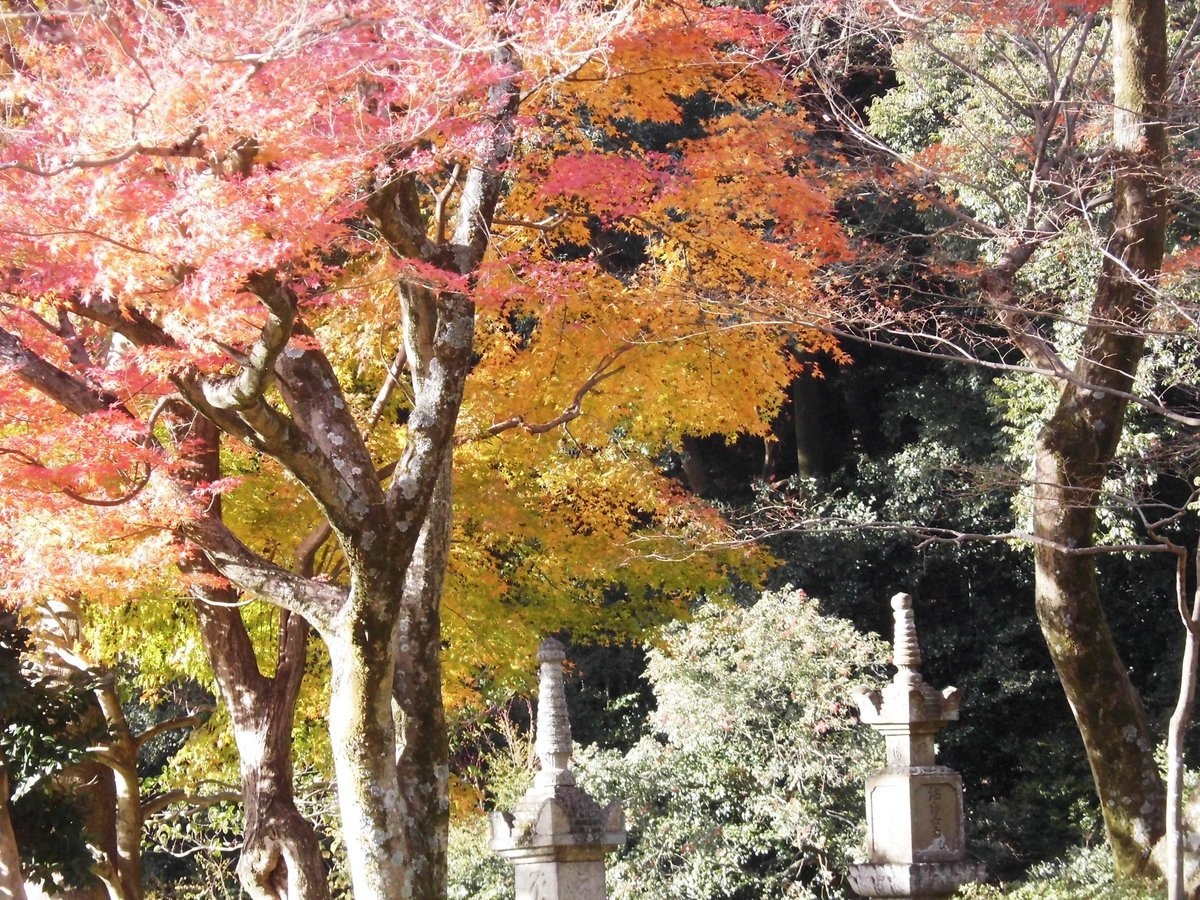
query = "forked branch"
x=574 y=409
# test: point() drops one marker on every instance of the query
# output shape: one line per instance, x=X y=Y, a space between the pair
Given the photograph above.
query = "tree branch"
x=244 y=391
x=316 y=601
x=68 y=391
x=75 y=495
x=159 y=802
x=193 y=721
x=573 y=410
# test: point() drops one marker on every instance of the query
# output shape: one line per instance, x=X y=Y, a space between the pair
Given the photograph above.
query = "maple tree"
x=221 y=205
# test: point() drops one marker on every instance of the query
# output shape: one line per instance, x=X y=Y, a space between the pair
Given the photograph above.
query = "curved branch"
x=236 y=404
x=191 y=147
x=156 y=804
x=125 y=320
x=316 y=601
x=192 y=721
x=573 y=410
x=245 y=390
x=75 y=495
x=306 y=551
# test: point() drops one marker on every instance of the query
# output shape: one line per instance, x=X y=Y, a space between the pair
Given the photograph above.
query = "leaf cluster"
x=749 y=784
x=43 y=733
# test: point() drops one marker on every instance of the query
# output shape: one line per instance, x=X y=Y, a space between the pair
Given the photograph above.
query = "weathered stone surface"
x=915 y=842
x=560 y=879
x=915 y=816
x=913 y=881
x=557 y=837
x=553 y=742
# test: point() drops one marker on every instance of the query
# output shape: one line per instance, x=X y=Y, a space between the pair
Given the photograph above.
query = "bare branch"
x=925 y=534
x=152 y=806
x=439 y=209
x=547 y=224
x=316 y=601
x=160 y=728
x=573 y=410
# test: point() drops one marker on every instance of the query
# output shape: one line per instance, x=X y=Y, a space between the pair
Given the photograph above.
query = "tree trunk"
x=1107 y=708
x=1076 y=446
x=12 y=885
x=93 y=780
x=691 y=460
x=812 y=434
x=121 y=756
x=424 y=753
x=382 y=631
x=362 y=734
x=281 y=856
x=1185 y=702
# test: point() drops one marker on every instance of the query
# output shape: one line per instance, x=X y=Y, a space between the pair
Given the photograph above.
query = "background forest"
x=348 y=349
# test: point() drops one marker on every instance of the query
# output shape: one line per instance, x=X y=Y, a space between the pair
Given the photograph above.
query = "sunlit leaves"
x=156 y=160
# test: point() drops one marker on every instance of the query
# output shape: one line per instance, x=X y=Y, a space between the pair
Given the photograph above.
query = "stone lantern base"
x=557 y=844
x=558 y=872
x=913 y=881
x=915 y=815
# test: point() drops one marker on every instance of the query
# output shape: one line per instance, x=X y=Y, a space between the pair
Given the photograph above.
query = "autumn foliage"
x=157 y=160
x=289 y=219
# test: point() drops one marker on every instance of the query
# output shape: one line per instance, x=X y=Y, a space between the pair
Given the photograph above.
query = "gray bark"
x=423 y=749
x=1075 y=449
x=363 y=737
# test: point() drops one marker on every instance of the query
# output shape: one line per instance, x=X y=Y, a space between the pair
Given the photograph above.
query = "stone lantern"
x=557 y=837
x=915 y=843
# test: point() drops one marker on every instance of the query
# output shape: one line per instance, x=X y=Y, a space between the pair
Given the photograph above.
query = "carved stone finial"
x=908 y=712
x=553 y=743
x=906 y=653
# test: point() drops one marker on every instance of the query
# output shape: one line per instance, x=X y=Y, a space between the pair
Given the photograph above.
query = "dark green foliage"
x=50 y=829
x=749 y=782
x=925 y=449
x=41 y=735
x=607 y=694
x=1084 y=874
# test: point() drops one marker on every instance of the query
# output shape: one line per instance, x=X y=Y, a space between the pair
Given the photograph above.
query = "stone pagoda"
x=557 y=837
x=915 y=843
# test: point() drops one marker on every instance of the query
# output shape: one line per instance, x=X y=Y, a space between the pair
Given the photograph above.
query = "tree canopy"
x=400 y=326
x=239 y=223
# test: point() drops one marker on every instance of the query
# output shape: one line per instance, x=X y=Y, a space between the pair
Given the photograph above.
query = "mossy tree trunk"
x=423 y=749
x=1075 y=449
